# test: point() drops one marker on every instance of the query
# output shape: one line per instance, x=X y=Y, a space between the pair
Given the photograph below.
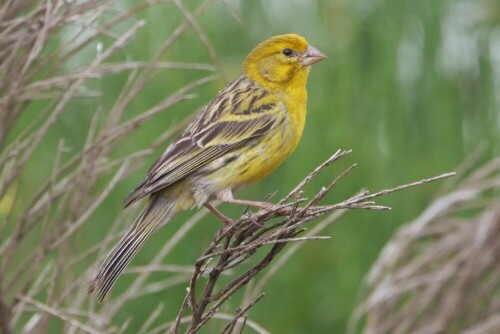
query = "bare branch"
x=257 y=231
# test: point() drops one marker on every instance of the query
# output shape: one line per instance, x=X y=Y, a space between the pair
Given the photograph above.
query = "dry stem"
x=41 y=231
x=440 y=272
x=251 y=237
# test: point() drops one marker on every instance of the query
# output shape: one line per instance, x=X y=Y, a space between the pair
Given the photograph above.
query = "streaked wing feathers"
x=239 y=114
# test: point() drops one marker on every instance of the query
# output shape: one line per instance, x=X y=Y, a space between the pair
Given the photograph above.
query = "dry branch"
x=40 y=233
x=263 y=235
x=440 y=273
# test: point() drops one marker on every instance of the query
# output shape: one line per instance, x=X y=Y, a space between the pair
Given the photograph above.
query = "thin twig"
x=240 y=243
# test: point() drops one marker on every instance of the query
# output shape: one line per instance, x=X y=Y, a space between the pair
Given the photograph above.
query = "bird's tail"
x=156 y=213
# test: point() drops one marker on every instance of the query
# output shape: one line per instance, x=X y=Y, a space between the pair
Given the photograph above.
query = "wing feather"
x=229 y=122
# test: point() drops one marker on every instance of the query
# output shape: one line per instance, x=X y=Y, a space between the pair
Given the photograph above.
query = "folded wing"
x=241 y=113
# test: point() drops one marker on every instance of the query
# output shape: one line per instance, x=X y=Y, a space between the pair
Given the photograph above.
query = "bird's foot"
x=225 y=228
x=227 y=197
x=263 y=206
x=254 y=218
x=227 y=222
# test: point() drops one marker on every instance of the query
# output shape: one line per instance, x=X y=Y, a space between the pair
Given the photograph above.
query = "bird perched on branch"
x=240 y=137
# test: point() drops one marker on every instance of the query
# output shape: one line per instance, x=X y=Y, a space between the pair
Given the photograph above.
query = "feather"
x=157 y=212
x=233 y=121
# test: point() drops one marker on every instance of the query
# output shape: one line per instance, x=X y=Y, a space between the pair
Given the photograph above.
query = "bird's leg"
x=228 y=222
x=256 y=204
x=227 y=197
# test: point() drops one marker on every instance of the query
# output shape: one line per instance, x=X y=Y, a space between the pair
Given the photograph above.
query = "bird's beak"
x=312 y=56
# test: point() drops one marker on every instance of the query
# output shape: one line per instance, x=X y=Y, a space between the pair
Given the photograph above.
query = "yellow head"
x=281 y=61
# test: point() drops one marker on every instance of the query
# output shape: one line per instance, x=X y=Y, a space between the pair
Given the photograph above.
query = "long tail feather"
x=157 y=212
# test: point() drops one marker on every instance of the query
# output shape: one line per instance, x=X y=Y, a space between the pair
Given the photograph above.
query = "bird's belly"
x=247 y=165
x=261 y=161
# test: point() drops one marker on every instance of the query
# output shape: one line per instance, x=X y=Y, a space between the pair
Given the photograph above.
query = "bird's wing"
x=242 y=112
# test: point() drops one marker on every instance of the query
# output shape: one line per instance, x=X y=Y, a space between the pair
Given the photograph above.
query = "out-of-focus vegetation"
x=440 y=273
x=412 y=87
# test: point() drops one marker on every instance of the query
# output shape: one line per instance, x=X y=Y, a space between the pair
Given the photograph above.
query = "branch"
x=275 y=228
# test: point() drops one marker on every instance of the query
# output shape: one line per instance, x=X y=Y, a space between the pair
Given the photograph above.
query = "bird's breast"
x=266 y=154
x=256 y=159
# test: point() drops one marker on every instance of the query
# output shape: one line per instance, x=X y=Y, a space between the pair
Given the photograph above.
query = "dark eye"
x=287 y=52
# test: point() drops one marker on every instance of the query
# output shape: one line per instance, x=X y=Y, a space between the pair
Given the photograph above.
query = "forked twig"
x=274 y=228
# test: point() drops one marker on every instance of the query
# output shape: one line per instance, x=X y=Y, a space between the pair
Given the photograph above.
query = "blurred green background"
x=412 y=87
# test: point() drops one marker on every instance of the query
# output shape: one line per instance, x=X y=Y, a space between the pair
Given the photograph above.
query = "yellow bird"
x=244 y=134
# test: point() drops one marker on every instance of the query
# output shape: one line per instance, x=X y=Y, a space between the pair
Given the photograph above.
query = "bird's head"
x=281 y=60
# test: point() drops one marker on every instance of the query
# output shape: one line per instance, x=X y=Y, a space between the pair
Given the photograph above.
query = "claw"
x=253 y=219
x=225 y=220
x=226 y=227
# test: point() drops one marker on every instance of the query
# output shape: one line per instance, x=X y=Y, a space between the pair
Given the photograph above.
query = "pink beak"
x=312 y=56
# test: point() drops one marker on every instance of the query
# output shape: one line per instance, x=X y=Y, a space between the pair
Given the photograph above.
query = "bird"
x=240 y=137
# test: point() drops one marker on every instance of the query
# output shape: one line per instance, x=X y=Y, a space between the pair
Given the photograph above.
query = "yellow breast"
x=268 y=153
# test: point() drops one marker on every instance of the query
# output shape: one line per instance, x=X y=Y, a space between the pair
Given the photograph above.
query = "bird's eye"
x=287 y=52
